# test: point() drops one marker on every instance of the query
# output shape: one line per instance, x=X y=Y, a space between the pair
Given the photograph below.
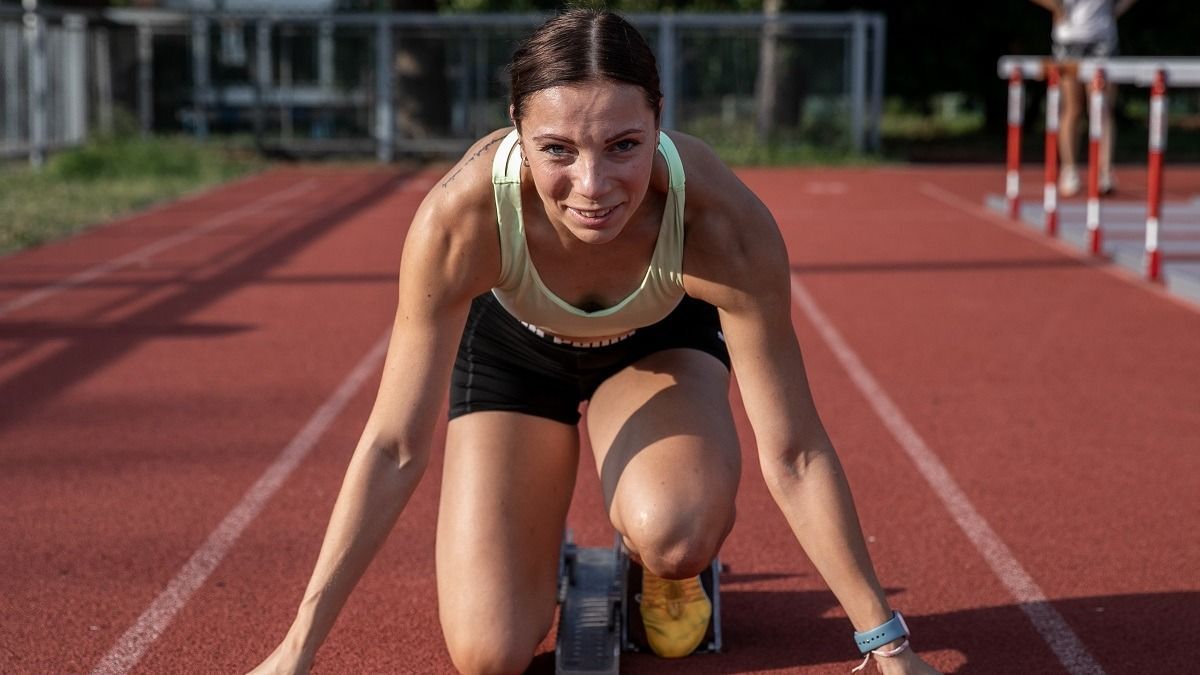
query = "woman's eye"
x=627 y=144
x=554 y=149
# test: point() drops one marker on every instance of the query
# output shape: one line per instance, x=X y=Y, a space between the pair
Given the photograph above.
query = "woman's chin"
x=588 y=236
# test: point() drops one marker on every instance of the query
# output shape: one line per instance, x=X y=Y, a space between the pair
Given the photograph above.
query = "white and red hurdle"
x=1155 y=73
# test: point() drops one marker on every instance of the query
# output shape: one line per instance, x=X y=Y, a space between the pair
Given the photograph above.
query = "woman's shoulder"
x=457 y=219
x=718 y=204
x=469 y=181
x=730 y=232
x=461 y=203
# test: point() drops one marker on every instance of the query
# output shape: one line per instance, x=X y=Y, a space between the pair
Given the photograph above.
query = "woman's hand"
x=904 y=663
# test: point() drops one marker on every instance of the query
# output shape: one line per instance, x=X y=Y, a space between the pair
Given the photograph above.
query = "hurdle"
x=1146 y=72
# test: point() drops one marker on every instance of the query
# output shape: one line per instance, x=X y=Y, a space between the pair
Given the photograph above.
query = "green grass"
x=104 y=179
x=821 y=142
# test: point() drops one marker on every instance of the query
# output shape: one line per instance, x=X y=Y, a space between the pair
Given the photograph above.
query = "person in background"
x=1083 y=29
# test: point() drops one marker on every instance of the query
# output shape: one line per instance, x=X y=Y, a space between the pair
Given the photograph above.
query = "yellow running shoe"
x=675 y=613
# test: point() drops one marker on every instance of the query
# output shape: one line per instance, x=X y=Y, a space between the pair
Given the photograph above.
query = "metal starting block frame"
x=599 y=616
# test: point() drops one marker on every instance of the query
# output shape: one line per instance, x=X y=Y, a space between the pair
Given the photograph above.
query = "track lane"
x=120 y=451
x=922 y=298
x=1037 y=386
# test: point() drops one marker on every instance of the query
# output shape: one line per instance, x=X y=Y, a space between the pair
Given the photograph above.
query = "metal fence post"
x=12 y=81
x=74 y=78
x=877 y=67
x=460 y=105
x=384 y=118
x=284 y=90
x=262 y=76
x=668 y=68
x=103 y=70
x=479 y=121
x=145 y=78
x=325 y=55
x=858 y=82
x=200 y=80
x=36 y=46
x=323 y=124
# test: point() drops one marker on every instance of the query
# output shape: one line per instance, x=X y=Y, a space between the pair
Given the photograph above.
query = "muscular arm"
x=737 y=261
x=450 y=256
x=798 y=461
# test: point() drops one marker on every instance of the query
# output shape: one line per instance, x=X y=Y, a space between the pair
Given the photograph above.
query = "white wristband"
x=884 y=653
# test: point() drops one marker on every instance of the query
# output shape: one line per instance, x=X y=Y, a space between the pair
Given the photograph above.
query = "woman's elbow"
x=404 y=455
x=792 y=461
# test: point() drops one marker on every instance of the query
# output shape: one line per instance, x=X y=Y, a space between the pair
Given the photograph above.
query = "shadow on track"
x=779 y=630
x=90 y=348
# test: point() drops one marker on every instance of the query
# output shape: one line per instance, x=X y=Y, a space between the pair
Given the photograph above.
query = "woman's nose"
x=590 y=177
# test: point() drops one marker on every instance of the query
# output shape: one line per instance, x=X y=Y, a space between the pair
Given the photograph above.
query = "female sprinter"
x=560 y=261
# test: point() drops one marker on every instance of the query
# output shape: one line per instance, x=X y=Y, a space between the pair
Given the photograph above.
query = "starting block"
x=599 y=617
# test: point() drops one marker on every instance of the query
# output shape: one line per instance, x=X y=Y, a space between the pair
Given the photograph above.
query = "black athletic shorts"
x=502 y=364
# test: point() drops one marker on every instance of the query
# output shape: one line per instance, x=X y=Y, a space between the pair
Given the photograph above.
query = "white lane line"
x=152 y=249
x=1030 y=598
x=129 y=649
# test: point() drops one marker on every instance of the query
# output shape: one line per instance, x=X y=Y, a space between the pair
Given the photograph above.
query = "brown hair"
x=579 y=46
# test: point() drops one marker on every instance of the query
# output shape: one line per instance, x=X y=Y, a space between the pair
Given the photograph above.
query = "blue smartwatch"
x=893 y=629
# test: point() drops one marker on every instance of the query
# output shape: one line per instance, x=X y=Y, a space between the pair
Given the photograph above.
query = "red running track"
x=151 y=371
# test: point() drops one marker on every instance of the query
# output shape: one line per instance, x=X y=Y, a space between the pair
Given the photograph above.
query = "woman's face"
x=590 y=149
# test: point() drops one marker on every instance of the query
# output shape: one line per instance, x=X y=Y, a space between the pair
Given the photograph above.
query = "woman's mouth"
x=592 y=216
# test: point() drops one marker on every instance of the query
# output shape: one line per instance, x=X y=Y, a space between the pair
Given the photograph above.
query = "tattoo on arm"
x=470 y=159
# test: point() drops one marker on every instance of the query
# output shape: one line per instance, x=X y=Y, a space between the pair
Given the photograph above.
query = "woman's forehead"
x=601 y=105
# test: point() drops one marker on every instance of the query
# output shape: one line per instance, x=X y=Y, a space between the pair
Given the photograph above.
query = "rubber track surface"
x=137 y=408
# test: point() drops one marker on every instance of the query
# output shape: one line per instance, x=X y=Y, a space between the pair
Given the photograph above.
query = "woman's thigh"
x=667 y=452
x=506 y=487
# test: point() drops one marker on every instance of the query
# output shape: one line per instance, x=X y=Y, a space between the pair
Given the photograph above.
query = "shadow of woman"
x=781 y=630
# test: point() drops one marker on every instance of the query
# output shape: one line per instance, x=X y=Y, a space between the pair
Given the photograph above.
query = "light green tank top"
x=522 y=292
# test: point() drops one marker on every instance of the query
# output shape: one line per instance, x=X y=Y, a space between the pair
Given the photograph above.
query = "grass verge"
x=105 y=179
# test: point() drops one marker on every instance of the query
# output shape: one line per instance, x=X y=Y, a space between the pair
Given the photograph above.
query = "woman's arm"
x=451 y=255
x=736 y=260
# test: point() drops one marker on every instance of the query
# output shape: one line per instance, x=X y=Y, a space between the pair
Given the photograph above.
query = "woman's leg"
x=669 y=463
x=668 y=456
x=506 y=487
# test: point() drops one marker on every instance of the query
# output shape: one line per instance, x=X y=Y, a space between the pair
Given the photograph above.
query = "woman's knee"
x=495 y=651
x=679 y=544
x=495 y=632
